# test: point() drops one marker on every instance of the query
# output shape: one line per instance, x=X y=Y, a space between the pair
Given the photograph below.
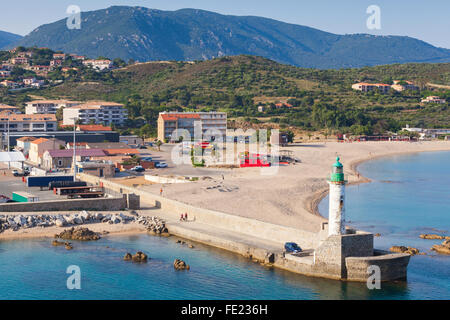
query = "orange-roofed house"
x=39 y=146
x=213 y=124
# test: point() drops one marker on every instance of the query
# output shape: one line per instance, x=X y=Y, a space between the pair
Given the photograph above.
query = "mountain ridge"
x=144 y=34
x=7 y=38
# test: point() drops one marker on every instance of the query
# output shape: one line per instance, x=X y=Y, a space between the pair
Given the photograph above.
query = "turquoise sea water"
x=417 y=197
x=408 y=195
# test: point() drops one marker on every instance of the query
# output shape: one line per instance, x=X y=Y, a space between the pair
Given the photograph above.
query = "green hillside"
x=321 y=99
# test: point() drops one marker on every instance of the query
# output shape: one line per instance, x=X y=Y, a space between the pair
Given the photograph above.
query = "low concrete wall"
x=393 y=266
x=102 y=204
x=264 y=230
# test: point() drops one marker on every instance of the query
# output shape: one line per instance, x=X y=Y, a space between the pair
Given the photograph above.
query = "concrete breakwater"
x=250 y=227
x=343 y=257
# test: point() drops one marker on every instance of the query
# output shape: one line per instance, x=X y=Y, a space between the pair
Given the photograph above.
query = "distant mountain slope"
x=145 y=34
x=7 y=38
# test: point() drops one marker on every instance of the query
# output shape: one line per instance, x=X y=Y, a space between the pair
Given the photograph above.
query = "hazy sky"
x=425 y=20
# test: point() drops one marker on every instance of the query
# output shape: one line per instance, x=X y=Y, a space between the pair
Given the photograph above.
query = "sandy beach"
x=290 y=197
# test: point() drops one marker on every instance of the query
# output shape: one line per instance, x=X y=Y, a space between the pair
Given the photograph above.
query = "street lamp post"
x=9 y=162
x=74 y=150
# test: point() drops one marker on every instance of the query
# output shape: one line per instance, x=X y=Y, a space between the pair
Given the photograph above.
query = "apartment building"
x=48 y=106
x=27 y=122
x=215 y=122
x=366 y=87
x=97 y=112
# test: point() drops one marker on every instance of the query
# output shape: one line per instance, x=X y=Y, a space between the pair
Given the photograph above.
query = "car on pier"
x=292 y=247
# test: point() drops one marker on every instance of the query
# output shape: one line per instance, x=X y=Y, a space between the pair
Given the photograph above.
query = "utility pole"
x=9 y=162
x=74 y=150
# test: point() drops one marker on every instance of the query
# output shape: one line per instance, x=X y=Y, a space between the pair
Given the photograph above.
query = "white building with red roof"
x=214 y=124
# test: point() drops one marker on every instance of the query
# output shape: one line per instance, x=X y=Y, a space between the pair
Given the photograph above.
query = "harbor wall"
x=100 y=204
x=264 y=230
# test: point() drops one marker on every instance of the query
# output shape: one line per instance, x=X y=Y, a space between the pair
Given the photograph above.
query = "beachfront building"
x=48 y=106
x=428 y=133
x=213 y=122
x=96 y=112
x=433 y=99
x=366 y=87
x=27 y=122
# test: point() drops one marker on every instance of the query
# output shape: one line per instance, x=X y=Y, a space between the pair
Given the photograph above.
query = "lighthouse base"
x=349 y=257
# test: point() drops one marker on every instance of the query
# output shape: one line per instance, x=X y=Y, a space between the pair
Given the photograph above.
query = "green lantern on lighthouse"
x=337 y=173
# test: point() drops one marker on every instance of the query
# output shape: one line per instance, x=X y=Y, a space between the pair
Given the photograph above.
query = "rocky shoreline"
x=19 y=222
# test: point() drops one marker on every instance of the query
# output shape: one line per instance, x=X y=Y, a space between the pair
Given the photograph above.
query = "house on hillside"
x=401 y=85
x=99 y=65
x=433 y=99
x=366 y=87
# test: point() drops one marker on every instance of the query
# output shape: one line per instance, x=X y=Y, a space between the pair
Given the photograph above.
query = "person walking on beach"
x=181 y=217
x=160 y=192
x=185 y=217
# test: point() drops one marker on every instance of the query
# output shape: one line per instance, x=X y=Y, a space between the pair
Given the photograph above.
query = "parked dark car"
x=292 y=247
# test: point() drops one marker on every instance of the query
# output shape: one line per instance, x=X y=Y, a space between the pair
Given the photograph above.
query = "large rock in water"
x=432 y=236
x=127 y=257
x=402 y=249
x=83 y=234
x=180 y=265
x=139 y=257
x=443 y=248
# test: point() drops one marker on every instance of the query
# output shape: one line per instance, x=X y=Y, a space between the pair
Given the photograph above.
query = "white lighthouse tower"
x=336 y=212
